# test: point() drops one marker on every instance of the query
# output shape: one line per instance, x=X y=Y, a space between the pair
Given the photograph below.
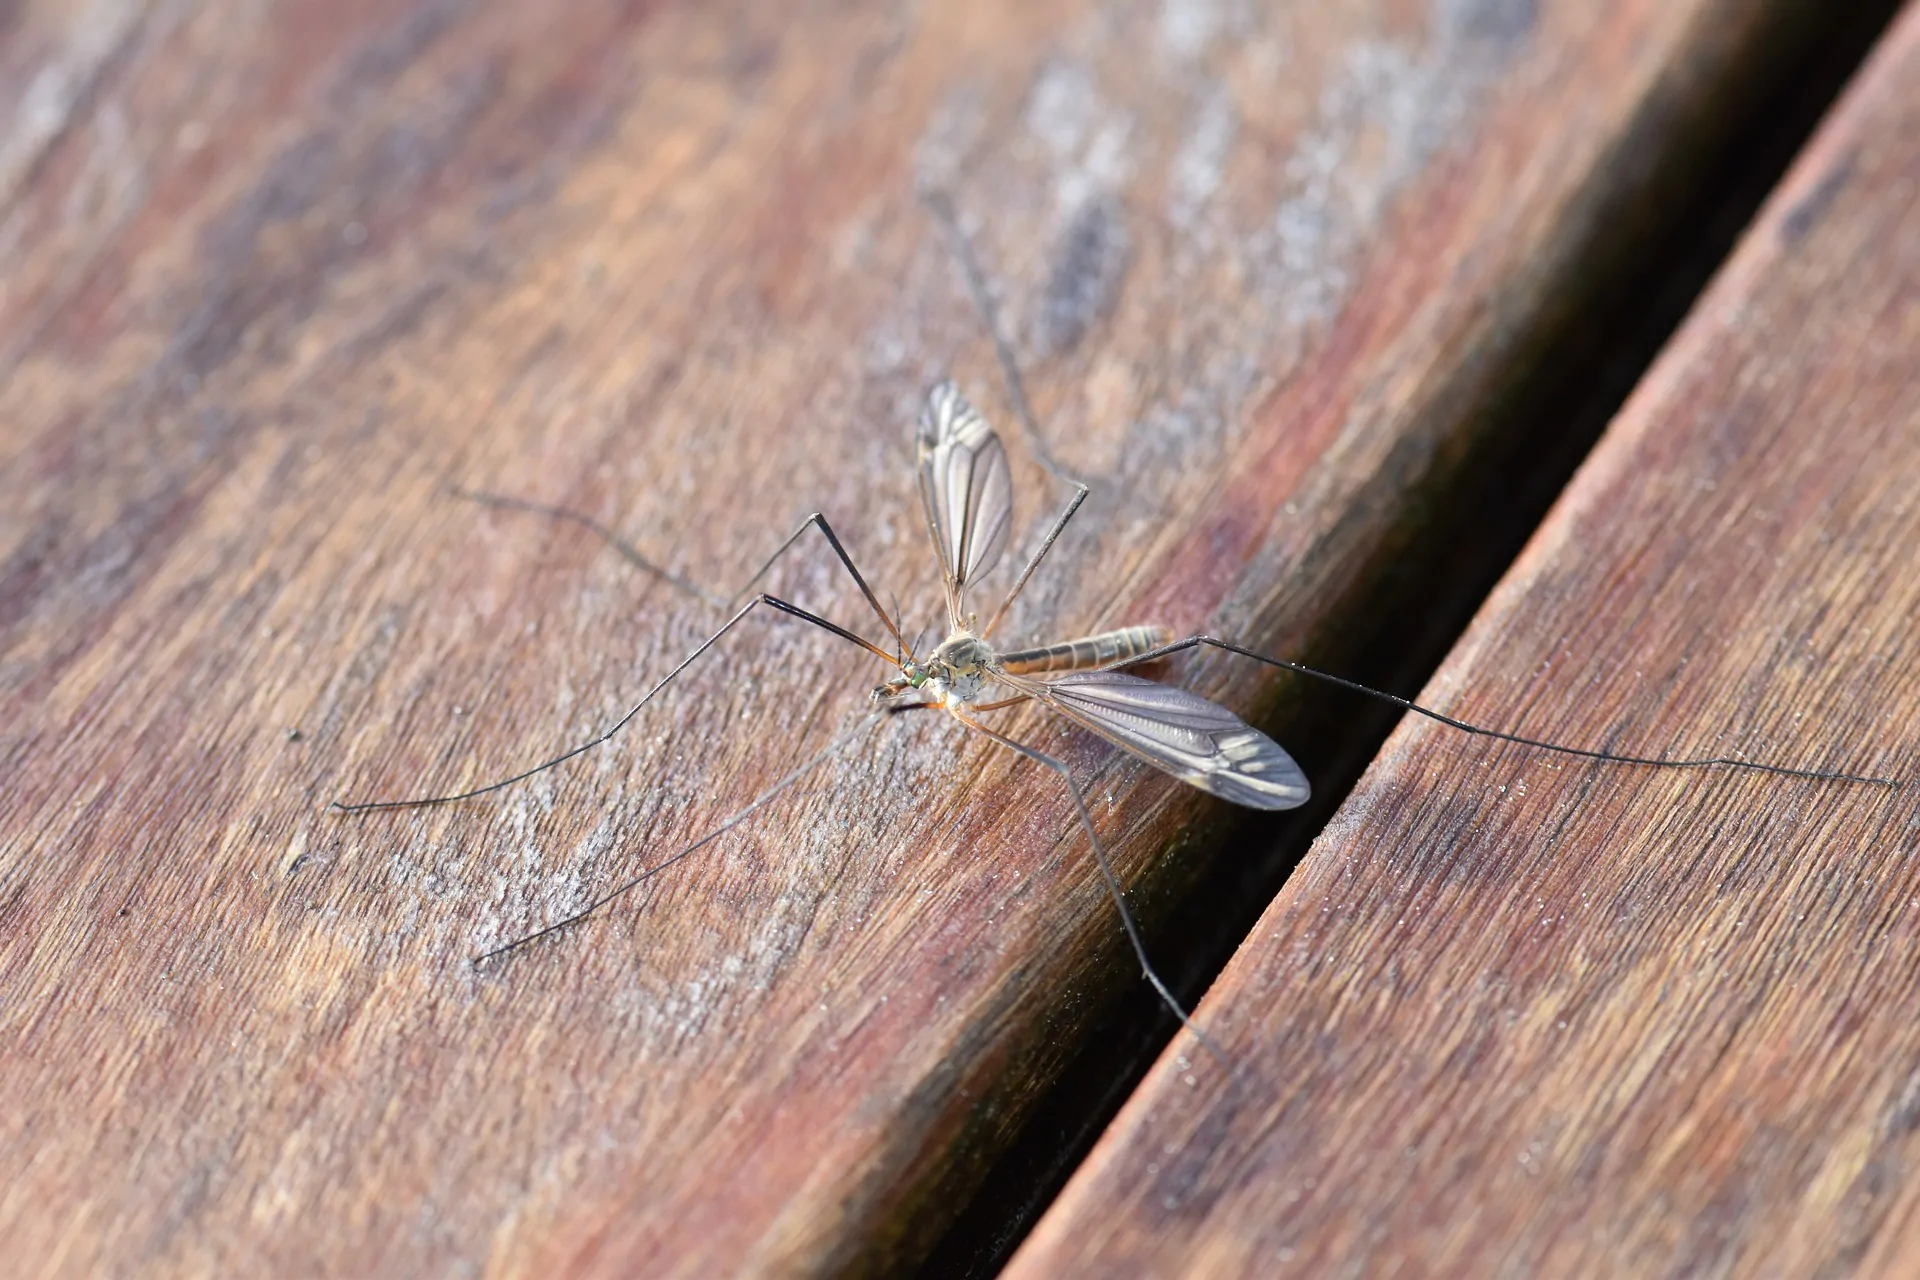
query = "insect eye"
x=916 y=677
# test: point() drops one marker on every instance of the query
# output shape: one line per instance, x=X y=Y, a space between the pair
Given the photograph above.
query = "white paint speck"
x=1200 y=165
x=1188 y=28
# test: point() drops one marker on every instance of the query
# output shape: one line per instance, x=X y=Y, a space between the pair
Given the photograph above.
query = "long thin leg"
x=940 y=205
x=739 y=816
x=1106 y=873
x=627 y=550
x=1046 y=545
x=633 y=556
x=1665 y=762
x=772 y=602
x=819 y=521
x=1003 y=702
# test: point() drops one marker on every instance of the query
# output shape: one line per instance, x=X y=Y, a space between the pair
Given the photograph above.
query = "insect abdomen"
x=1102 y=650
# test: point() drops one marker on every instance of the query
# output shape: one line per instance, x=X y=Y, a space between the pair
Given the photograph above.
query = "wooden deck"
x=1521 y=1016
x=1324 y=301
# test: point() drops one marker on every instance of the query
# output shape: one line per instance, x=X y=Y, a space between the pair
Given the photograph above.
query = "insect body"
x=968 y=503
x=962 y=484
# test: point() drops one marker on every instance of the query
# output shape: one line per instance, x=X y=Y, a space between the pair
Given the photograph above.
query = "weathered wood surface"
x=274 y=275
x=1523 y=1016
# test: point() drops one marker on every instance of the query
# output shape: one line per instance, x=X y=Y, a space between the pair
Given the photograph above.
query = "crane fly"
x=968 y=498
x=966 y=494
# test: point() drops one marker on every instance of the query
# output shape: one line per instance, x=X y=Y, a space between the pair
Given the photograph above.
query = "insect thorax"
x=960 y=668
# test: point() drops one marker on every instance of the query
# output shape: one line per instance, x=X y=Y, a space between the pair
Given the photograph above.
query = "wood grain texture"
x=276 y=274
x=1520 y=1016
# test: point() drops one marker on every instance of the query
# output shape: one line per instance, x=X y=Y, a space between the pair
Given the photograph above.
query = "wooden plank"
x=1517 y=1015
x=276 y=275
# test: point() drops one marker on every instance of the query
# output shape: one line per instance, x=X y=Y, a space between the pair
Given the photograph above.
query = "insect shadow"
x=966 y=496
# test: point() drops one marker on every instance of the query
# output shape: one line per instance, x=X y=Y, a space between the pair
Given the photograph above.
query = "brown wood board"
x=1517 y=1015
x=275 y=276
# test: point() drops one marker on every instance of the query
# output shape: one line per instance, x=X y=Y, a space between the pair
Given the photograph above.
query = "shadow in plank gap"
x=1508 y=1018
x=1673 y=235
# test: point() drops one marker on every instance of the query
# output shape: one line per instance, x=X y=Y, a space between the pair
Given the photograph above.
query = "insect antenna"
x=772 y=602
x=739 y=816
x=1588 y=753
x=1107 y=874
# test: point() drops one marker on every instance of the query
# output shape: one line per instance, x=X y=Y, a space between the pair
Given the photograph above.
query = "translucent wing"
x=1192 y=739
x=967 y=489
